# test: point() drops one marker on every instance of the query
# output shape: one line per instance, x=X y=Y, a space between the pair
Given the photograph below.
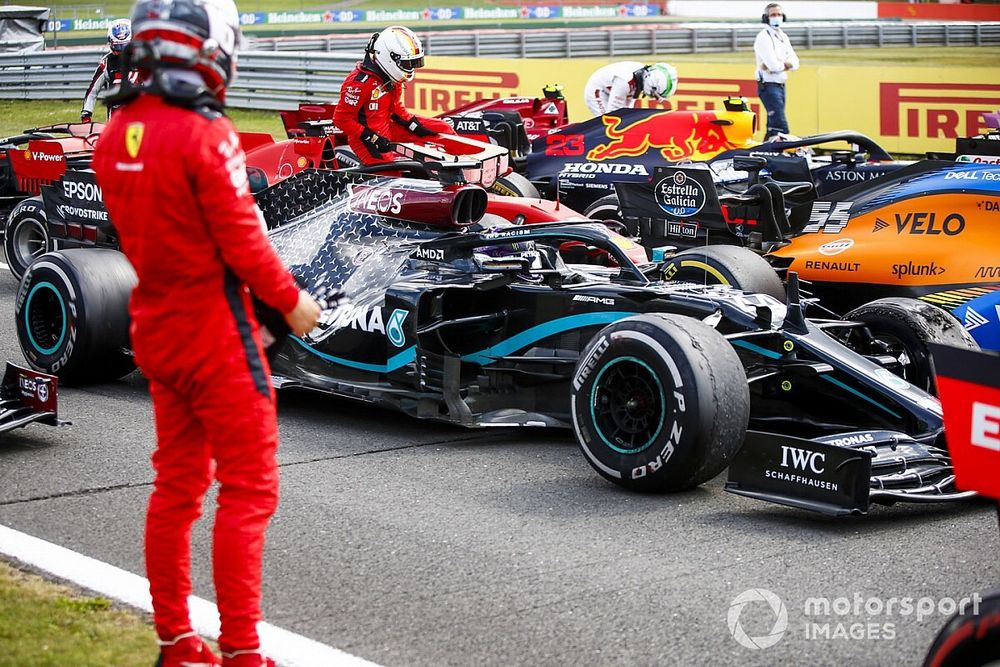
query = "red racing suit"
x=175 y=185
x=370 y=105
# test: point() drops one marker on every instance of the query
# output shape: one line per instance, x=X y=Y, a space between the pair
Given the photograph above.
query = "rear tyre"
x=26 y=235
x=903 y=327
x=72 y=314
x=515 y=185
x=605 y=208
x=660 y=403
x=725 y=265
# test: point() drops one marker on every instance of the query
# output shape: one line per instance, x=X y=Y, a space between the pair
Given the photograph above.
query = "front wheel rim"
x=628 y=405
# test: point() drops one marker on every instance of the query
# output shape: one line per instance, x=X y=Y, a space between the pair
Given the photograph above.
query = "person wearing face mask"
x=775 y=59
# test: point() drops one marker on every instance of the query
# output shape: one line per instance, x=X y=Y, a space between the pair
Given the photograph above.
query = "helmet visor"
x=411 y=63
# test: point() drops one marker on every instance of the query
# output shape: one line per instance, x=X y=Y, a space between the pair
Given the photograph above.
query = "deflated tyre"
x=902 y=328
x=72 y=314
x=660 y=402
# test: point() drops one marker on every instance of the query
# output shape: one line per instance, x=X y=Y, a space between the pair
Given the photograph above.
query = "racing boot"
x=247 y=658
x=187 y=650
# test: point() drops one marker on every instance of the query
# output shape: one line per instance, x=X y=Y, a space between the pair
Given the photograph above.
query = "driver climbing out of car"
x=370 y=110
x=109 y=69
x=621 y=85
x=174 y=180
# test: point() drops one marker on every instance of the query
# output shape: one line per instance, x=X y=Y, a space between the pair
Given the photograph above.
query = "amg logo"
x=820 y=265
x=852 y=440
x=607 y=301
x=802 y=459
x=829 y=218
x=436 y=254
x=988 y=272
x=604 y=168
x=935 y=110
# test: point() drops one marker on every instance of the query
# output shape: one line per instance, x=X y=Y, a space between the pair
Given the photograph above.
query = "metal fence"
x=277 y=80
x=265 y=80
x=660 y=39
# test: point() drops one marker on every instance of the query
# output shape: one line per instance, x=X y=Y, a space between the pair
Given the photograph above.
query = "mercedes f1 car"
x=27 y=397
x=460 y=316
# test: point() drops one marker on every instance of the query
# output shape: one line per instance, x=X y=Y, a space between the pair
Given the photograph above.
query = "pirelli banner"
x=906 y=109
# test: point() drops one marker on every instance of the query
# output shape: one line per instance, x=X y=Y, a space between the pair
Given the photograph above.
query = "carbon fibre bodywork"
x=484 y=326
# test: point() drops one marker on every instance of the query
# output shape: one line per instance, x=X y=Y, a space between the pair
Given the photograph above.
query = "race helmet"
x=659 y=80
x=201 y=36
x=397 y=52
x=119 y=35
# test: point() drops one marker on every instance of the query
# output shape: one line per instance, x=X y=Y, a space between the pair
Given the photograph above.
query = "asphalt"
x=410 y=543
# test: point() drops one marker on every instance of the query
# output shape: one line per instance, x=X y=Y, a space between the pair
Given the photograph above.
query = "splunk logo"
x=368 y=319
x=439 y=90
x=935 y=110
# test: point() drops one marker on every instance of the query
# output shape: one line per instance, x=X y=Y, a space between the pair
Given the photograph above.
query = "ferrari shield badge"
x=133 y=138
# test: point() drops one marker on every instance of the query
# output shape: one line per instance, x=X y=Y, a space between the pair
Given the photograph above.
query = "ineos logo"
x=802 y=459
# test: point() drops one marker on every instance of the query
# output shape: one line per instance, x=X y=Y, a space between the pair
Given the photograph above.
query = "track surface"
x=417 y=544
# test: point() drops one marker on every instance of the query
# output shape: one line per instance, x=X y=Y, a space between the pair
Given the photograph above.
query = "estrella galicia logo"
x=394 y=329
x=680 y=196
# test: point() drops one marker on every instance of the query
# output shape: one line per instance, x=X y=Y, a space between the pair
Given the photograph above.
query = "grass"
x=44 y=624
x=936 y=56
x=19 y=115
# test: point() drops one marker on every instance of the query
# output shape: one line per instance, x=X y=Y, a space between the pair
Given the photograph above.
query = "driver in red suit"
x=175 y=184
x=370 y=110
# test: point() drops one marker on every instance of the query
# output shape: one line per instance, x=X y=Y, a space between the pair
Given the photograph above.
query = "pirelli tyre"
x=26 y=235
x=660 y=402
x=72 y=314
x=725 y=265
x=971 y=637
x=902 y=328
x=605 y=208
x=515 y=185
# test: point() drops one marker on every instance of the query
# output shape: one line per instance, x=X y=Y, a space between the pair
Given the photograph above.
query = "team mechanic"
x=370 y=110
x=175 y=184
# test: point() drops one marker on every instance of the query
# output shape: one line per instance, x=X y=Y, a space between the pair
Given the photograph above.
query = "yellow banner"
x=906 y=109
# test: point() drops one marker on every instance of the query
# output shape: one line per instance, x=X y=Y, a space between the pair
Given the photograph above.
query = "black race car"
x=459 y=316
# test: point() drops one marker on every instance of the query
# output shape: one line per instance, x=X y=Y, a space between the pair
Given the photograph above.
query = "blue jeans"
x=773 y=97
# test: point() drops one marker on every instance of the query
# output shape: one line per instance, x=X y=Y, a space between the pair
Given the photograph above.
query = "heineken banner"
x=407 y=16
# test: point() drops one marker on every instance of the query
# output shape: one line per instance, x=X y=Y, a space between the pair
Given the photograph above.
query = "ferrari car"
x=460 y=316
x=27 y=162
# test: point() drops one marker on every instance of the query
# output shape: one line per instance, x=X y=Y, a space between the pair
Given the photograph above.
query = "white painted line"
x=286 y=648
x=4 y=266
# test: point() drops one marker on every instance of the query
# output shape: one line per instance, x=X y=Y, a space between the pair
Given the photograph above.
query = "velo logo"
x=776 y=606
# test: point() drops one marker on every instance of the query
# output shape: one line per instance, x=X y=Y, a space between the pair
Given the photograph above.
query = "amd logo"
x=986 y=426
x=803 y=459
x=430 y=253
